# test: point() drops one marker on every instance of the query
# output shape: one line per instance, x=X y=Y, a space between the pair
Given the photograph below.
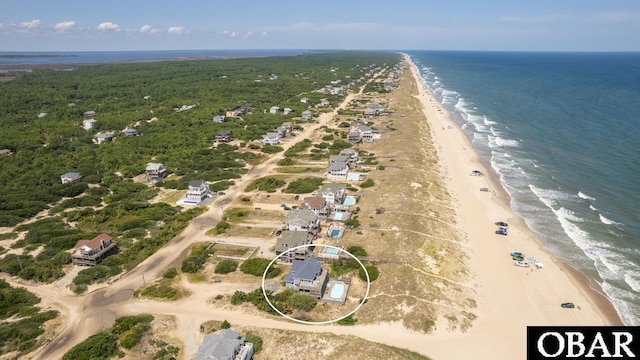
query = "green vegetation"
x=161 y=290
x=367 y=183
x=100 y=346
x=348 y=321
x=127 y=331
x=357 y=250
x=21 y=332
x=226 y=266
x=286 y=161
x=354 y=223
x=303 y=186
x=221 y=228
x=196 y=259
x=373 y=271
x=257 y=266
x=225 y=325
x=286 y=301
x=271 y=149
x=296 y=149
x=170 y=273
x=255 y=340
x=268 y=184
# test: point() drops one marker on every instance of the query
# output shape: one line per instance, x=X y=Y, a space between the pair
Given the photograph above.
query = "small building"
x=104 y=137
x=89 y=113
x=324 y=102
x=307 y=115
x=288 y=125
x=338 y=171
x=369 y=112
x=70 y=177
x=155 y=172
x=224 y=136
x=219 y=119
x=304 y=100
x=307 y=276
x=5 y=152
x=337 y=158
x=282 y=131
x=286 y=111
x=227 y=345
x=130 y=132
x=274 y=110
x=354 y=137
x=303 y=220
x=291 y=239
x=91 y=252
x=41 y=115
x=88 y=124
x=197 y=191
x=271 y=138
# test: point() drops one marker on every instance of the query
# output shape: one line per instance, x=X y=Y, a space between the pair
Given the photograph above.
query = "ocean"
x=562 y=132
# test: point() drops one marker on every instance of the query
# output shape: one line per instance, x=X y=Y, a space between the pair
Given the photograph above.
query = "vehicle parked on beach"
x=521 y=264
x=568 y=305
x=501 y=223
x=517 y=258
x=517 y=253
x=501 y=231
x=484 y=189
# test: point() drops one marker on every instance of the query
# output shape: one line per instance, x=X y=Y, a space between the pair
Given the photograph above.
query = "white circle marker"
x=264 y=292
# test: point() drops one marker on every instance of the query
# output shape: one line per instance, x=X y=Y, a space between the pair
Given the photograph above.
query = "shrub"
x=373 y=273
x=302 y=302
x=257 y=266
x=286 y=162
x=271 y=149
x=354 y=223
x=255 y=340
x=268 y=184
x=195 y=261
x=221 y=227
x=357 y=250
x=225 y=325
x=381 y=167
x=170 y=273
x=130 y=329
x=98 y=346
x=303 y=186
x=348 y=321
x=367 y=183
x=226 y=266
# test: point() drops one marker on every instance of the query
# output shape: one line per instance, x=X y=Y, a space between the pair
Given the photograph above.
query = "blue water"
x=562 y=131
x=79 y=57
x=336 y=291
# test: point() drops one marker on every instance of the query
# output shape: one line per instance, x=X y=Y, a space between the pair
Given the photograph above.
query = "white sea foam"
x=633 y=280
x=607 y=221
x=497 y=141
x=593 y=208
x=584 y=196
x=569 y=215
x=489 y=122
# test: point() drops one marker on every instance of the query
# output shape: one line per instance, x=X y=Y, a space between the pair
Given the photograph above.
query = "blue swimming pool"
x=337 y=291
x=350 y=201
x=332 y=251
x=334 y=234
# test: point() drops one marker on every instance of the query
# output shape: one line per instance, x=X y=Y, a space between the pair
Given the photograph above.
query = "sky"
x=540 y=25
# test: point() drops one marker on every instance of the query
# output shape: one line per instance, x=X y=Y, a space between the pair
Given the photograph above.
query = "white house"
x=274 y=110
x=303 y=220
x=155 y=172
x=197 y=191
x=272 y=138
x=286 y=111
x=104 y=137
x=88 y=124
x=70 y=177
x=218 y=119
x=338 y=171
x=350 y=154
x=333 y=193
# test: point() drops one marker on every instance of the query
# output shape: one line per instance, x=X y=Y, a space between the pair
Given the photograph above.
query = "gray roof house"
x=227 y=345
x=130 y=132
x=291 y=239
x=307 y=276
x=197 y=191
x=306 y=115
x=103 y=137
x=338 y=170
x=155 y=172
x=274 y=110
x=350 y=154
x=70 y=177
x=338 y=158
x=219 y=119
x=333 y=193
x=303 y=220
x=271 y=138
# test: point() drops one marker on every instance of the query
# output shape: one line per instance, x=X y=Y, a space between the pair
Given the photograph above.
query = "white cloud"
x=248 y=34
x=30 y=24
x=177 y=30
x=233 y=34
x=109 y=26
x=149 y=29
x=264 y=34
x=64 y=25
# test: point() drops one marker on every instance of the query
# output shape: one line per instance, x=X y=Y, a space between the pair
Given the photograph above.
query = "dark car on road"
x=567 y=305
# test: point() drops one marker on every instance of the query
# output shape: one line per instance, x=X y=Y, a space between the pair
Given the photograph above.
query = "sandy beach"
x=510 y=298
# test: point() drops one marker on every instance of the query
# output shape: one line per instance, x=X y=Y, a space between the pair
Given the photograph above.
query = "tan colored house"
x=91 y=252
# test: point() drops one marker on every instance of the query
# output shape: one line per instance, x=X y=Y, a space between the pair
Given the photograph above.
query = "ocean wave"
x=633 y=280
x=585 y=196
x=549 y=197
x=489 y=122
x=607 y=221
x=569 y=215
x=593 y=208
x=497 y=141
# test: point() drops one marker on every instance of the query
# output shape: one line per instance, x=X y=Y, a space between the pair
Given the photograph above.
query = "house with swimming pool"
x=309 y=277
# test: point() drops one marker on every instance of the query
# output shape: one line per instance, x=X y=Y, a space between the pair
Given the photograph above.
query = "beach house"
x=70 y=177
x=307 y=115
x=271 y=138
x=130 y=132
x=155 y=172
x=274 y=110
x=227 y=345
x=224 y=136
x=303 y=220
x=292 y=239
x=219 y=119
x=317 y=204
x=333 y=193
x=350 y=154
x=91 y=252
x=338 y=170
x=88 y=124
x=197 y=191
x=307 y=276
x=89 y=113
x=5 y=152
x=104 y=137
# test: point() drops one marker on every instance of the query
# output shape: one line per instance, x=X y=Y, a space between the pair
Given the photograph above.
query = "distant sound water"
x=562 y=131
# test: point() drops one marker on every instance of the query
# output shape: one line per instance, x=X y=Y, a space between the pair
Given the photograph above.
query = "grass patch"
x=161 y=290
x=303 y=186
x=268 y=184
